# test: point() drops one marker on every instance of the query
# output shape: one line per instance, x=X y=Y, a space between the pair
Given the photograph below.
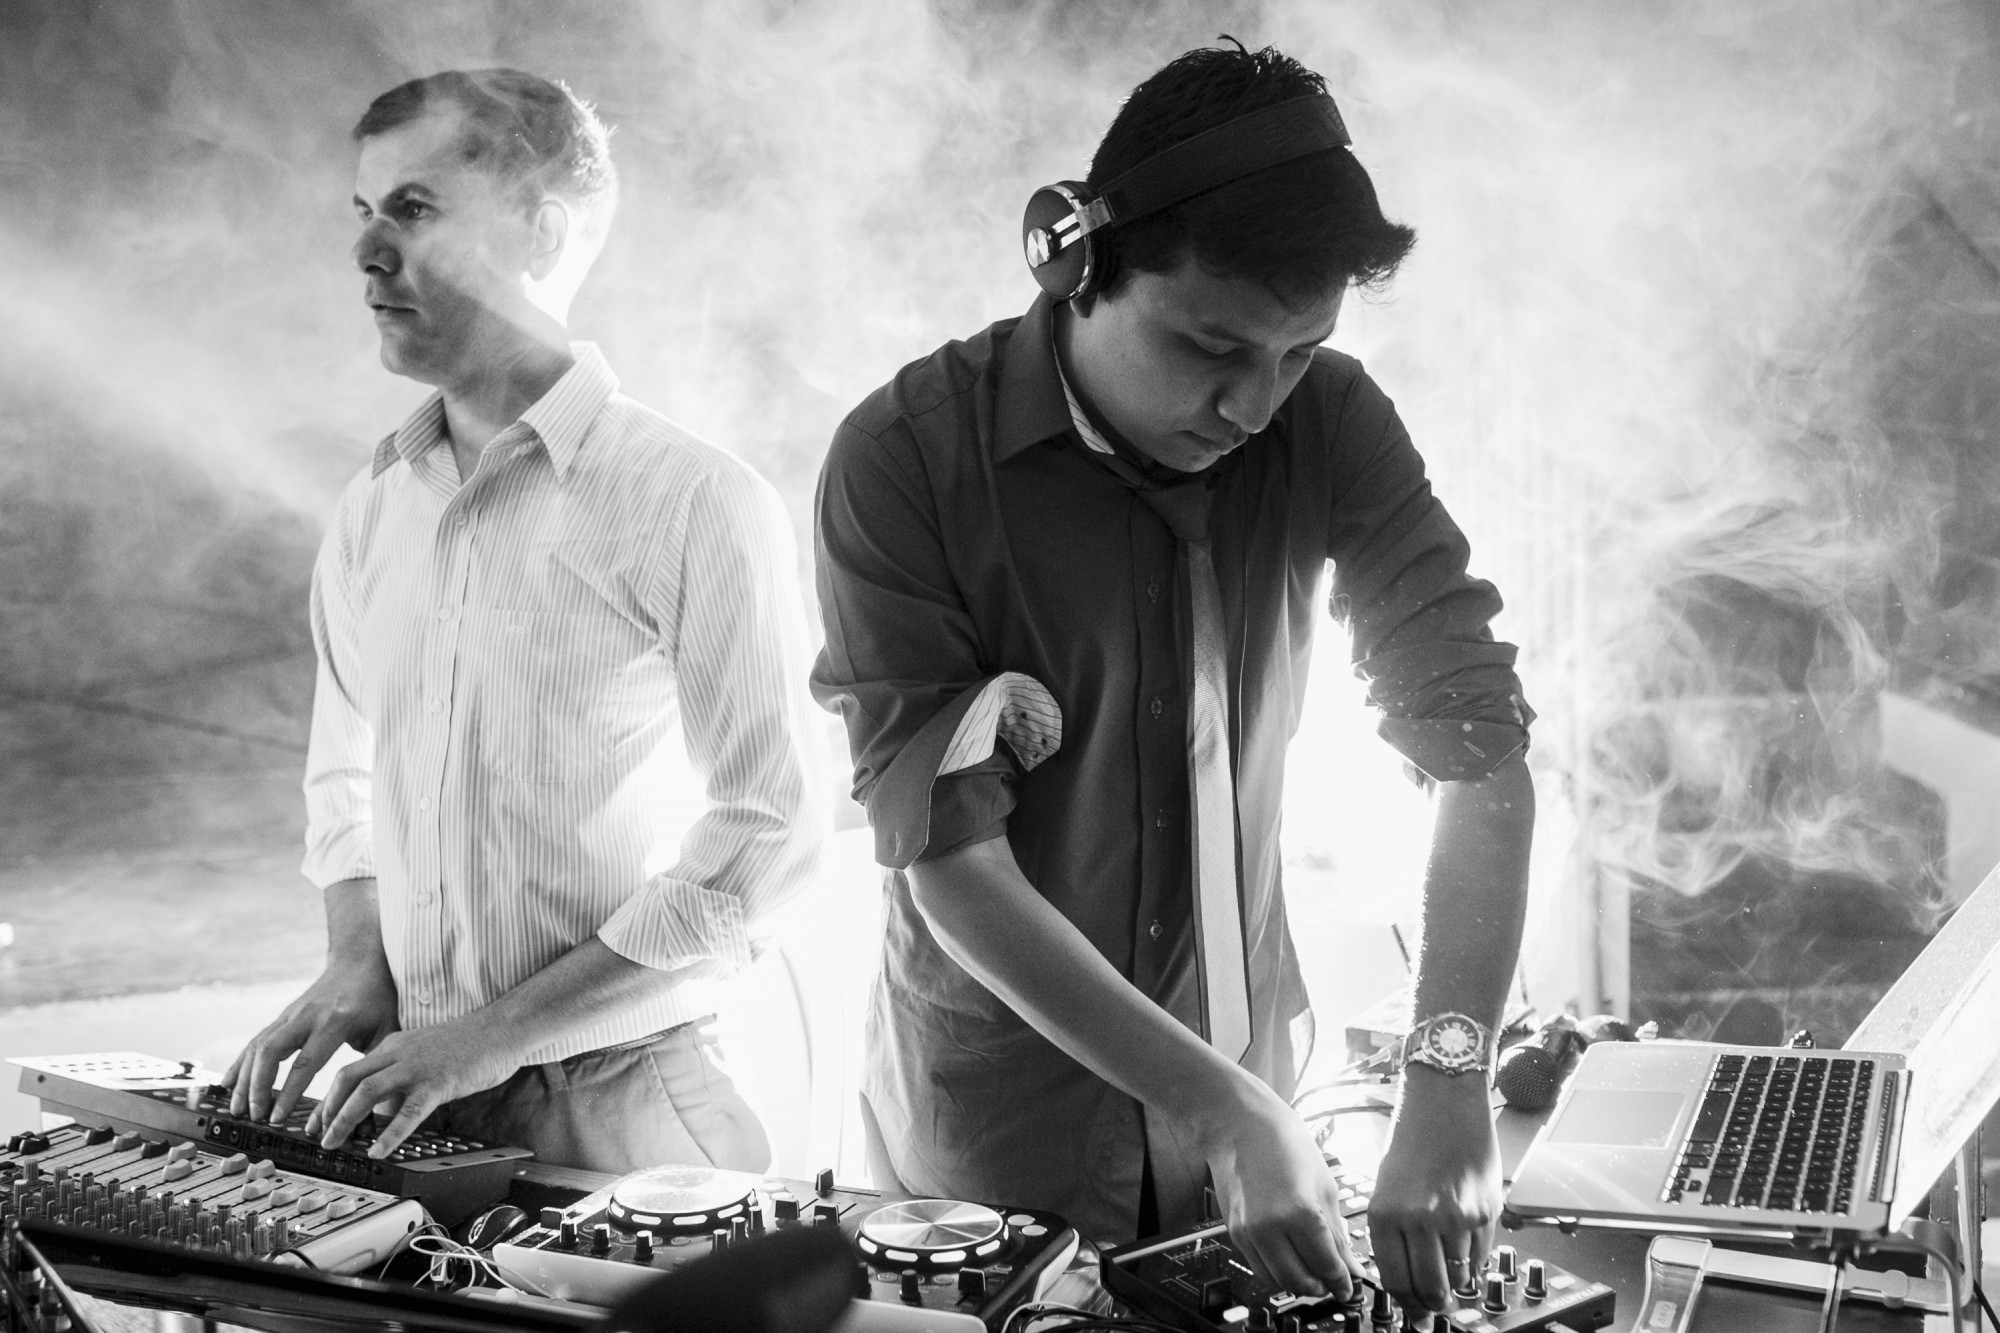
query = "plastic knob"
x=235 y=1164
x=971 y=1284
x=1382 y=1310
x=826 y=1215
x=1216 y=1295
x=600 y=1239
x=1536 y=1284
x=718 y=1240
x=181 y=1152
x=180 y=1170
x=913 y=1286
x=341 y=1207
x=739 y=1229
x=1507 y=1262
x=823 y=1182
x=1260 y=1320
x=552 y=1218
x=153 y=1148
x=1496 y=1294
x=642 y=1248
x=313 y=1202
x=99 y=1134
x=787 y=1206
x=566 y=1234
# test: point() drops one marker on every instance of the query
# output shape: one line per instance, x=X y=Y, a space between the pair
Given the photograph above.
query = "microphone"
x=1531 y=1073
x=800 y=1280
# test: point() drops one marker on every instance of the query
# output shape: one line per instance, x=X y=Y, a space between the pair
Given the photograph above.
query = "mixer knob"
x=826 y=1215
x=1260 y=1320
x=153 y=1148
x=1496 y=1294
x=739 y=1229
x=787 y=1206
x=99 y=1134
x=566 y=1234
x=1382 y=1310
x=718 y=1240
x=1507 y=1262
x=642 y=1248
x=1536 y=1286
x=1216 y=1295
x=823 y=1182
x=971 y=1284
x=600 y=1239
x=913 y=1286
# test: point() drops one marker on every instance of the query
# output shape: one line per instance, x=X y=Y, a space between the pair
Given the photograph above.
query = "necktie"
x=1222 y=968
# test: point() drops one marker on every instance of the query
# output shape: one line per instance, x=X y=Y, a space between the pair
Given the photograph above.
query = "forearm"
x=994 y=924
x=589 y=983
x=353 y=924
x=1476 y=894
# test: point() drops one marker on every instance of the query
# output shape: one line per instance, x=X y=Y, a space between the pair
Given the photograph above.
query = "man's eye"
x=414 y=209
x=1210 y=350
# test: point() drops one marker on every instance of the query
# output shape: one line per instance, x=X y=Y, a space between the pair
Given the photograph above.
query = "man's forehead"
x=427 y=152
x=1244 y=308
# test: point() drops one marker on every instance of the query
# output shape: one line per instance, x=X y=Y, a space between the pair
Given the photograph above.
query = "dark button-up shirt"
x=964 y=532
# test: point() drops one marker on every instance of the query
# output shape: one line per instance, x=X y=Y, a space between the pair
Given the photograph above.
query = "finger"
x=270 y=1050
x=1429 y=1284
x=415 y=1106
x=1320 y=1249
x=311 y=1059
x=335 y=1117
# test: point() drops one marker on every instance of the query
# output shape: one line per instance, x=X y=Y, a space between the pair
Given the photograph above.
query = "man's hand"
x=353 y=1003
x=1437 y=1194
x=414 y=1073
x=1282 y=1204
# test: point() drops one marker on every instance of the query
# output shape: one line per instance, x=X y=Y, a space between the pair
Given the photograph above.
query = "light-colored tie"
x=1222 y=968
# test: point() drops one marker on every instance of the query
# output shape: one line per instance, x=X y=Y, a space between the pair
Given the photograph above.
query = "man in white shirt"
x=517 y=596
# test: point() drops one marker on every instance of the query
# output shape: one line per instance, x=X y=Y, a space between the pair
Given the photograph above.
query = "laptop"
x=1758 y=1139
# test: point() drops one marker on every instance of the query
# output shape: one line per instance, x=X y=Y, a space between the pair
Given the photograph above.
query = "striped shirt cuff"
x=334 y=858
x=674 y=924
x=965 y=732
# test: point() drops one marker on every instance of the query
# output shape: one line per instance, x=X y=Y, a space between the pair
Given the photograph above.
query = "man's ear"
x=551 y=237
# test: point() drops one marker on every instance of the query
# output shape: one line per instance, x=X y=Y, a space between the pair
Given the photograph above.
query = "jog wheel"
x=681 y=1200
x=932 y=1235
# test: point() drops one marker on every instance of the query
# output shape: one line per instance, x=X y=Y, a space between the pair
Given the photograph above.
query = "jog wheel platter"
x=933 y=1235
x=681 y=1200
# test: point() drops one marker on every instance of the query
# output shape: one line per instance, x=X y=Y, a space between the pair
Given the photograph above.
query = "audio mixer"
x=185 y=1195
x=927 y=1265
x=452 y=1178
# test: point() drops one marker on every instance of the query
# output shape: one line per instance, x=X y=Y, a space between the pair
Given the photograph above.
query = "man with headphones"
x=1070 y=570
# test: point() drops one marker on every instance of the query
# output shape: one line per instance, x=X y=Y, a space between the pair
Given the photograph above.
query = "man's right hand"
x=1281 y=1202
x=352 y=1003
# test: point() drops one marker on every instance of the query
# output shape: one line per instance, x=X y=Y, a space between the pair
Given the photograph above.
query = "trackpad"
x=1618 y=1118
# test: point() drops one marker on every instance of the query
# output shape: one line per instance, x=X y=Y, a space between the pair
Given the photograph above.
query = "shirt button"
x=1160 y=820
x=1159 y=705
x=444 y=613
x=436 y=705
x=422 y=997
x=461 y=521
x=425 y=897
x=423 y=803
x=1153 y=590
x=1156 y=930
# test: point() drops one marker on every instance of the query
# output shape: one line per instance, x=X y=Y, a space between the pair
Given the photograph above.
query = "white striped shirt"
x=505 y=667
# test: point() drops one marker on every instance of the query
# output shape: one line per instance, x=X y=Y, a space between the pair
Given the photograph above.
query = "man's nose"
x=373 y=251
x=1250 y=397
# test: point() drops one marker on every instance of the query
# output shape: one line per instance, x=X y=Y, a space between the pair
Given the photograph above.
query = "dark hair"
x=1305 y=224
x=525 y=129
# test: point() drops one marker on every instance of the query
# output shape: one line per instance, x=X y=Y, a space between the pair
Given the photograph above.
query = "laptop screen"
x=1943 y=1017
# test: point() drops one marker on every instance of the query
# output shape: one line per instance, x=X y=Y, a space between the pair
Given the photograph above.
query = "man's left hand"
x=414 y=1073
x=1437 y=1194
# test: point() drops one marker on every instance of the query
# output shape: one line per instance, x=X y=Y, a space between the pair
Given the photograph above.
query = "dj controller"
x=451 y=1178
x=935 y=1265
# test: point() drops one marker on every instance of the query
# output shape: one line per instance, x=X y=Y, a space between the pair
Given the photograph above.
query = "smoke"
x=1638 y=341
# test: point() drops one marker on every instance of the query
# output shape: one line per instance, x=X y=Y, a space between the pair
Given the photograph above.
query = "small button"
x=444 y=613
x=1160 y=820
x=1156 y=930
x=460 y=521
x=435 y=705
x=425 y=897
x=423 y=803
x=1159 y=705
x=422 y=997
x=1153 y=589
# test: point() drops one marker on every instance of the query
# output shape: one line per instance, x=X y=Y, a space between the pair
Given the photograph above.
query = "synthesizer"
x=925 y=1266
x=452 y=1178
x=190 y=1197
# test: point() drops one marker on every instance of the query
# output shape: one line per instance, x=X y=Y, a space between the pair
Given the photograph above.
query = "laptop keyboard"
x=1782 y=1132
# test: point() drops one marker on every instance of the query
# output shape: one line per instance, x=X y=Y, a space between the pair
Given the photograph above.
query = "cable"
x=1991 y=1318
x=1081 y=1320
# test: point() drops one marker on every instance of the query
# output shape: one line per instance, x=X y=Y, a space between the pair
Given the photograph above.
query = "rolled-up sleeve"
x=1449 y=697
x=734 y=622
x=339 y=778
x=938 y=738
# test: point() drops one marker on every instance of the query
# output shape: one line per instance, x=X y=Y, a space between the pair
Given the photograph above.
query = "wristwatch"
x=1454 y=1043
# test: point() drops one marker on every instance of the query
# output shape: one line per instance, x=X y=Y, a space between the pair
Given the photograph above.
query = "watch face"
x=1453 y=1041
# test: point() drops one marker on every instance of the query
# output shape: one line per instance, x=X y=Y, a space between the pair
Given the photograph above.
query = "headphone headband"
x=1061 y=217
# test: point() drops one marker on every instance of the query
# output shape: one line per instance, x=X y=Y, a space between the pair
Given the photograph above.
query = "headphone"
x=1056 y=231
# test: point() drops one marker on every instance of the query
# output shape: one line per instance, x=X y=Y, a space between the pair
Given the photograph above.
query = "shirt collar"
x=1032 y=405
x=560 y=418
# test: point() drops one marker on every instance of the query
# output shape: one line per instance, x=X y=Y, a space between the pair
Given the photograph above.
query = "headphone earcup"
x=1064 y=271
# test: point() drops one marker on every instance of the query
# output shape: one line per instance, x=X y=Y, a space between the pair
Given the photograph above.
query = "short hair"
x=528 y=130
x=1309 y=223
